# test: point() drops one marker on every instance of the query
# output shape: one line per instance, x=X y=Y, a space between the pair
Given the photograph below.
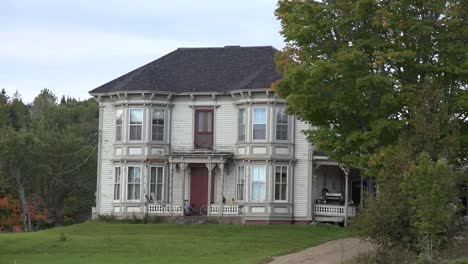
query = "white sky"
x=71 y=47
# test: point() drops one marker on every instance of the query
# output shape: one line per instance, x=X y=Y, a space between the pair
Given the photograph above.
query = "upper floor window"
x=281 y=124
x=258 y=192
x=242 y=124
x=157 y=125
x=136 y=124
x=117 y=179
x=240 y=183
x=133 y=183
x=204 y=128
x=281 y=183
x=156 y=183
x=118 y=124
x=259 y=123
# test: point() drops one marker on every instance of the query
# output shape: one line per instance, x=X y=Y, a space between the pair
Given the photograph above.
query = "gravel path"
x=332 y=252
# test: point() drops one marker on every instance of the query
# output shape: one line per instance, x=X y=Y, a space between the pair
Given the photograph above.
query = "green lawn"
x=161 y=243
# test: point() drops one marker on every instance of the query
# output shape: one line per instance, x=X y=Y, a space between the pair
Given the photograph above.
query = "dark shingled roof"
x=201 y=70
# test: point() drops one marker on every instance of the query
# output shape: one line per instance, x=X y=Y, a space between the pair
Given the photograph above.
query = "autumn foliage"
x=11 y=214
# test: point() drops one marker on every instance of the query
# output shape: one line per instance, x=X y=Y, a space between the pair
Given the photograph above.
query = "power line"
x=78 y=166
x=76 y=152
x=81 y=139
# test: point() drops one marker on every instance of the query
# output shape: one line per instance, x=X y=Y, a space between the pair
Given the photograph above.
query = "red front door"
x=199 y=187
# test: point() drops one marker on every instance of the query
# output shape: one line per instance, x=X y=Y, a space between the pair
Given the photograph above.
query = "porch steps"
x=197 y=220
x=192 y=220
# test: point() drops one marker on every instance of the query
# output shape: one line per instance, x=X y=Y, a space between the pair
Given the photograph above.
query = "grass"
x=161 y=243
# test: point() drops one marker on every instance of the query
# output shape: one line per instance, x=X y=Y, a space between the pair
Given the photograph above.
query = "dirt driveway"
x=332 y=252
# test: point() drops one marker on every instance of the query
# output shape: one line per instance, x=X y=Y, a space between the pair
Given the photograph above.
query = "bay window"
x=136 y=124
x=157 y=125
x=281 y=124
x=258 y=190
x=118 y=124
x=281 y=183
x=259 y=123
x=133 y=182
x=240 y=183
x=156 y=183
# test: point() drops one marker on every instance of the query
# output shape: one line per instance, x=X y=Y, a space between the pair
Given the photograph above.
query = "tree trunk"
x=15 y=172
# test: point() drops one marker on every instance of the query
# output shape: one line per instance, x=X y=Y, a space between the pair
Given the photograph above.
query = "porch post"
x=346 y=197
x=183 y=167
x=171 y=181
x=221 y=171
x=361 y=202
x=210 y=170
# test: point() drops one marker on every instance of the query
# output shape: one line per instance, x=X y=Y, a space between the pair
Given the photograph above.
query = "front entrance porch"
x=215 y=209
x=196 y=179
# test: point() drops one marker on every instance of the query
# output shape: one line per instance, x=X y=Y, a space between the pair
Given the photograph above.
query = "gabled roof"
x=201 y=70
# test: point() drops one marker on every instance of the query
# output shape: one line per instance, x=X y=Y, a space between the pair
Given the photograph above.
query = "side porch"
x=338 y=191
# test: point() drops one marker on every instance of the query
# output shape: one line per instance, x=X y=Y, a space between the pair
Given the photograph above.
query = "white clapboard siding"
x=301 y=171
x=229 y=182
x=225 y=125
x=177 y=193
x=182 y=125
x=107 y=167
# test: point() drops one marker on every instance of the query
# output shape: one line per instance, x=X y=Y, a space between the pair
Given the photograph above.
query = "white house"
x=203 y=125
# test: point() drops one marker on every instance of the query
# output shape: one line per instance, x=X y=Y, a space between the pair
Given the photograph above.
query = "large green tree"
x=352 y=68
x=384 y=86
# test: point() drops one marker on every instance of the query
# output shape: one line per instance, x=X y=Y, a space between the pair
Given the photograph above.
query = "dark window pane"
x=158 y=117
x=118 y=133
x=160 y=175
x=241 y=132
x=159 y=192
x=277 y=191
x=241 y=123
x=157 y=133
x=283 y=191
x=259 y=131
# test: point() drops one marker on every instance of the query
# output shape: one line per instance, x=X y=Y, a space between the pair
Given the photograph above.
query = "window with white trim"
x=136 y=124
x=281 y=124
x=241 y=124
x=118 y=124
x=258 y=190
x=157 y=125
x=259 y=123
x=240 y=183
x=133 y=182
x=281 y=183
x=117 y=180
x=156 y=183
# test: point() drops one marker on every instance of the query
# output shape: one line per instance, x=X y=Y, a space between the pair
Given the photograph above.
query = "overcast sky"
x=71 y=47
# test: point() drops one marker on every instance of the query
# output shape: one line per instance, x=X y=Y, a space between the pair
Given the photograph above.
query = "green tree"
x=69 y=134
x=430 y=187
x=384 y=85
x=20 y=153
x=41 y=104
x=49 y=150
x=352 y=68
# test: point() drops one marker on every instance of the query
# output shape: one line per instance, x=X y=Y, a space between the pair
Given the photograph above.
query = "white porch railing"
x=227 y=209
x=334 y=210
x=164 y=209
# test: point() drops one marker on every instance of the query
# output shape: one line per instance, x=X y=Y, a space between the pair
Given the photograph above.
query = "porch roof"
x=200 y=156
